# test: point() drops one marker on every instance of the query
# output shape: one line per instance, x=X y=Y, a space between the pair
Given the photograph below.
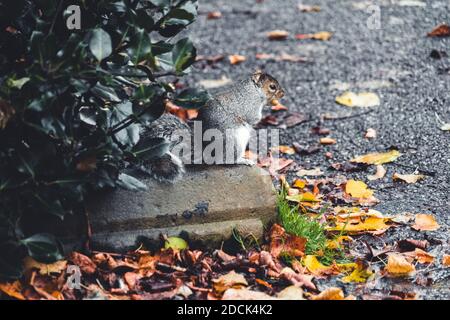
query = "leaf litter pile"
x=327 y=242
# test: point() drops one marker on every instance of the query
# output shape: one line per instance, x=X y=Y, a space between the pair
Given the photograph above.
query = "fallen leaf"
x=291 y=58
x=278 y=107
x=308 y=8
x=294 y=119
x=425 y=222
x=369 y=224
x=411 y=244
x=362 y=100
x=263 y=283
x=175 y=243
x=337 y=243
x=236 y=59
x=277 y=35
x=442 y=30
x=370 y=134
x=245 y=294
x=327 y=141
x=12 y=289
x=214 y=15
x=408 y=178
x=315 y=267
x=379 y=174
x=330 y=294
x=291 y=293
x=44 y=269
x=284 y=243
x=286 y=149
x=423 y=257
x=377 y=158
x=230 y=280
x=360 y=274
x=446 y=260
x=323 y=36
x=358 y=189
x=85 y=263
x=398 y=266
x=298 y=183
x=303 y=197
x=311 y=172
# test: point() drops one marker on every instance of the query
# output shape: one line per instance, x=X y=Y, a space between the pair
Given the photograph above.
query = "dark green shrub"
x=72 y=104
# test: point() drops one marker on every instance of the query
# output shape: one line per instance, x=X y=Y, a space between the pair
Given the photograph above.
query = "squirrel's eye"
x=272 y=87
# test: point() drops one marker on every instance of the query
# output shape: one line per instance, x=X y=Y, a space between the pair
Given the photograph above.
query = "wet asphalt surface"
x=393 y=61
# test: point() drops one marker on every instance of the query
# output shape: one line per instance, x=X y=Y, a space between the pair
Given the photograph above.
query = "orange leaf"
x=446 y=260
x=13 y=289
x=327 y=140
x=398 y=265
x=236 y=59
x=214 y=15
x=330 y=294
x=323 y=35
x=425 y=222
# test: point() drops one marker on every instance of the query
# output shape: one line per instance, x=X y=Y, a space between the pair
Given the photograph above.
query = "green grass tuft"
x=301 y=225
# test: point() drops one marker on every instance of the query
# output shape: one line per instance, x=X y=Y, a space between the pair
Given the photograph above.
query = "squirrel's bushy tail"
x=168 y=168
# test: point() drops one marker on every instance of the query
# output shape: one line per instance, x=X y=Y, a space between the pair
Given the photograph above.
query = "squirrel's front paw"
x=246 y=162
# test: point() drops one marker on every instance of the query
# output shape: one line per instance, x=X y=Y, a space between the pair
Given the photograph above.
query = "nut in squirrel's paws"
x=246 y=162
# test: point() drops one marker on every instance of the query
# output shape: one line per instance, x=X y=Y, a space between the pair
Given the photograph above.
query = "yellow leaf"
x=398 y=265
x=303 y=197
x=286 y=149
x=358 y=189
x=298 y=183
x=369 y=224
x=363 y=100
x=330 y=294
x=425 y=222
x=408 y=178
x=315 y=267
x=13 y=290
x=175 y=243
x=336 y=243
x=378 y=158
x=44 y=269
x=359 y=274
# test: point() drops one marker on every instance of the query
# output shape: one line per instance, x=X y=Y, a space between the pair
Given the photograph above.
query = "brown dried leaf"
x=85 y=263
x=277 y=35
x=442 y=30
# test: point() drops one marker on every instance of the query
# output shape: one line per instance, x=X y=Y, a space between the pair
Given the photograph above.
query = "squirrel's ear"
x=256 y=76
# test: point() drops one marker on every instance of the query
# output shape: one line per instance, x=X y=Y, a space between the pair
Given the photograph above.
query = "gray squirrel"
x=234 y=111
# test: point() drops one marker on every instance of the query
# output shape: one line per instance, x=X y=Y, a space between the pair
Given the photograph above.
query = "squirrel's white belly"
x=242 y=136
